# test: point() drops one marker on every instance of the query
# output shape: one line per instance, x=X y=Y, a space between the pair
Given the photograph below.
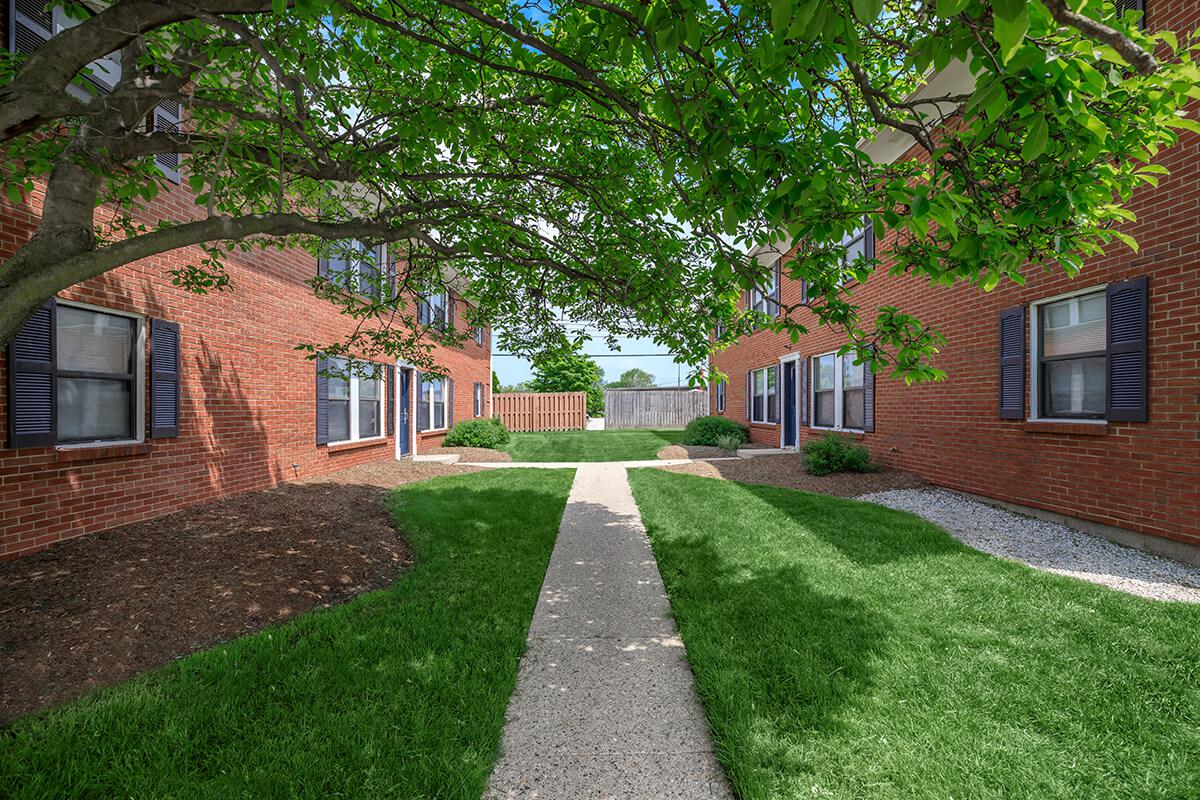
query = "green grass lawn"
x=590 y=445
x=399 y=694
x=845 y=650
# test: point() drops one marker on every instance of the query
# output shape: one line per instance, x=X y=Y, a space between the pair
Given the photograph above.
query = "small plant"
x=487 y=433
x=832 y=453
x=705 y=430
x=729 y=441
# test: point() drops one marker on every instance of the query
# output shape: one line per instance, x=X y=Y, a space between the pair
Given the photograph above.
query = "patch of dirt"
x=694 y=451
x=479 y=455
x=787 y=470
x=101 y=608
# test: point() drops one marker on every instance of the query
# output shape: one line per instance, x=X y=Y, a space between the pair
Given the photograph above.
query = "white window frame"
x=719 y=397
x=354 y=267
x=442 y=321
x=763 y=298
x=421 y=396
x=1035 y=389
x=839 y=410
x=353 y=378
x=766 y=418
x=859 y=233
x=480 y=334
x=139 y=378
x=479 y=400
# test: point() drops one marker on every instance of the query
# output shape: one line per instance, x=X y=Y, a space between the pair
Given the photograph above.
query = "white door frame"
x=795 y=393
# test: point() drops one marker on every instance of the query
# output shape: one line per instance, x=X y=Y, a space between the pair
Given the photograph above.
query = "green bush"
x=706 y=430
x=729 y=441
x=832 y=453
x=489 y=433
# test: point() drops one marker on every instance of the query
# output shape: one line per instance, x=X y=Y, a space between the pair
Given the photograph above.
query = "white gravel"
x=1048 y=546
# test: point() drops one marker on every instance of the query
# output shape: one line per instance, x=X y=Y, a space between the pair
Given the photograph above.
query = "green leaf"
x=867 y=10
x=781 y=15
x=948 y=8
x=1009 y=29
x=1036 y=138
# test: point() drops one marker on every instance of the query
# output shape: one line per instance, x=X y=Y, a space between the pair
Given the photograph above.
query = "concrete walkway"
x=605 y=705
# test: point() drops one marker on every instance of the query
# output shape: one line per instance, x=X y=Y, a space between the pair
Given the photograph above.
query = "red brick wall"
x=1139 y=476
x=247 y=408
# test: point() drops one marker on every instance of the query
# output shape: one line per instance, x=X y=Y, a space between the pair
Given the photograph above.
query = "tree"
x=570 y=372
x=495 y=383
x=605 y=162
x=633 y=378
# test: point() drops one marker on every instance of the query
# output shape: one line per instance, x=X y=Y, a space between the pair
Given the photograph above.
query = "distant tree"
x=570 y=372
x=633 y=379
x=496 y=388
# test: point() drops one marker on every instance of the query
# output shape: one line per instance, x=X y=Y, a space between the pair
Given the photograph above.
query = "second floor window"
x=434 y=309
x=357 y=268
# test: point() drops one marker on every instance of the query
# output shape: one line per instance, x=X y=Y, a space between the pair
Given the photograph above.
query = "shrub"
x=729 y=441
x=832 y=453
x=705 y=430
x=489 y=433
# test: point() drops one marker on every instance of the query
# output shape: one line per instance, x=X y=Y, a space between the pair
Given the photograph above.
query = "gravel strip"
x=1048 y=546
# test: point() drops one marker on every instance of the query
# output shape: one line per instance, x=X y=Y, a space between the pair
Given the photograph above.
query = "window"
x=355 y=401
x=434 y=309
x=839 y=398
x=856 y=246
x=764 y=395
x=1072 y=359
x=765 y=299
x=720 y=397
x=357 y=268
x=431 y=405
x=96 y=359
x=480 y=334
x=480 y=400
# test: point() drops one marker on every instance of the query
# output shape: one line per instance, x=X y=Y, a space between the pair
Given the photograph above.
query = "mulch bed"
x=101 y=608
x=787 y=470
x=694 y=451
x=478 y=455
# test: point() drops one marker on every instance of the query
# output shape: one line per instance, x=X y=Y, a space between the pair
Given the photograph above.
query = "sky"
x=630 y=352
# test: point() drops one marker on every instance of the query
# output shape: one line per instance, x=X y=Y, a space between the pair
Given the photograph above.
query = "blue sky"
x=614 y=361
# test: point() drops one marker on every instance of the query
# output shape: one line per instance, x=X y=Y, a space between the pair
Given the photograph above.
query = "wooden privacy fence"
x=652 y=408
x=552 y=411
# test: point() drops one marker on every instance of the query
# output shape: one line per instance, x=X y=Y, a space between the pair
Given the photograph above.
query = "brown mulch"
x=478 y=455
x=787 y=470
x=694 y=451
x=101 y=608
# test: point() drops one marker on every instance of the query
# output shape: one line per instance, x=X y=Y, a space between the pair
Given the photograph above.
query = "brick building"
x=127 y=397
x=1074 y=397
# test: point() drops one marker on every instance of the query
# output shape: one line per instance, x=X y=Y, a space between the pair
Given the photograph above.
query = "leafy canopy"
x=601 y=161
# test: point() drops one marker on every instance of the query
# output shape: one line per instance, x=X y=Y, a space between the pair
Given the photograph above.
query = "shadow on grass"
x=877 y=536
x=400 y=693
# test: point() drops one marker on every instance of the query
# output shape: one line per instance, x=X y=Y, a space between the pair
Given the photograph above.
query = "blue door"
x=789 y=404
x=405 y=405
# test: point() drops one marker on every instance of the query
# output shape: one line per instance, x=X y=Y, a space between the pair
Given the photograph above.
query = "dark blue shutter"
x=322 y=265
x=802 y=368
x=449 y=402
x=29 y=25
x=422 y=311
x=390 y=286
x=869 y=241
x=421 y=400
x=322 y=401
x=803 y=291
x=164 y=379
x=868 y=399
x=1128 y=350
x=449 y=309
x=1012 y=363
x=167 y=118
x=390 y=388
x=32 y=381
